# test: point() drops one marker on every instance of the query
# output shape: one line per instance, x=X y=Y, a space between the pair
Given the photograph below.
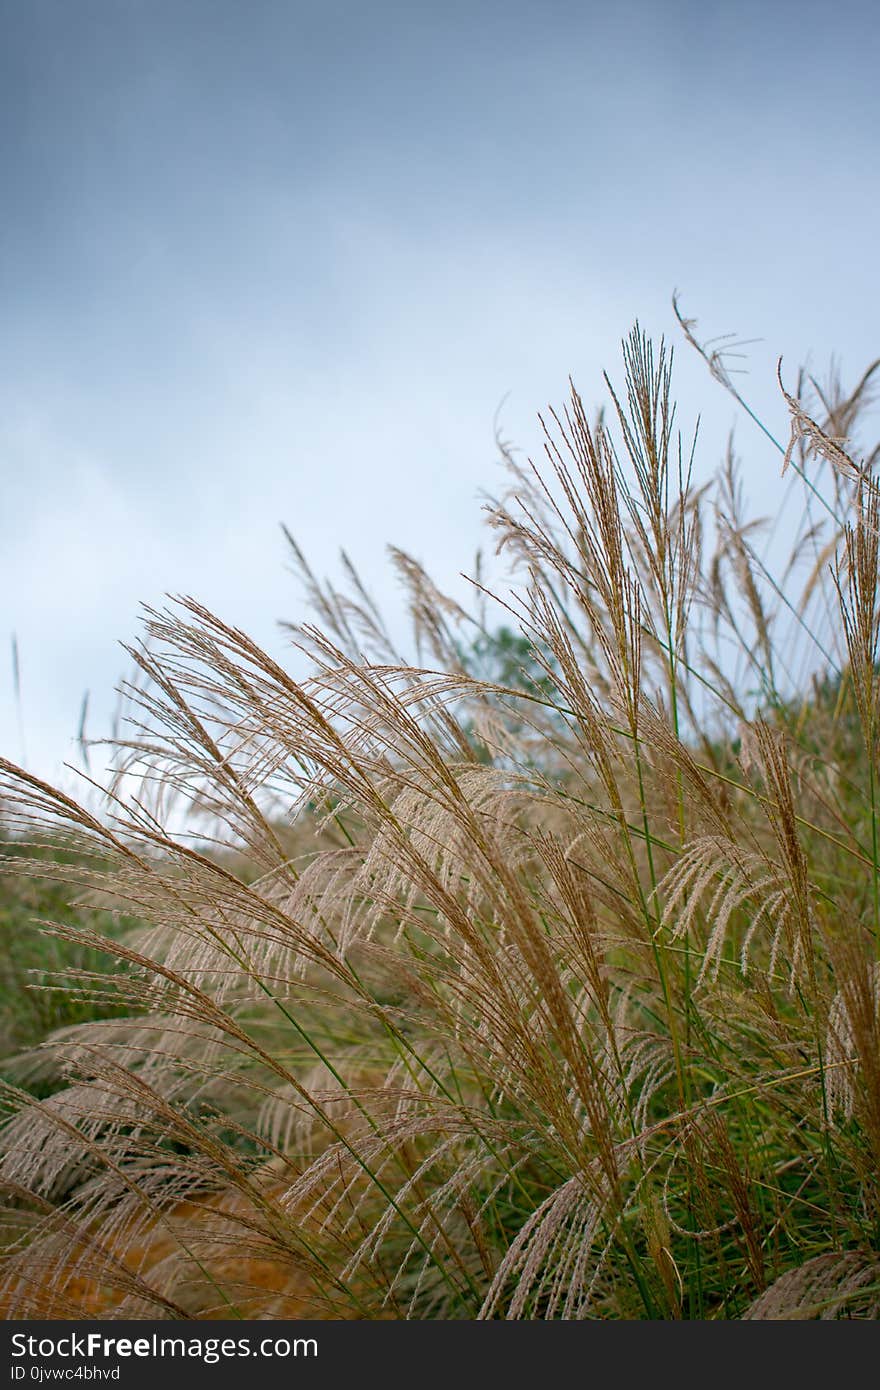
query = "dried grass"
x=536 y=997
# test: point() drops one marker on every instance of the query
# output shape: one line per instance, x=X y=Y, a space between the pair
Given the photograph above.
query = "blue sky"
x=279 y=261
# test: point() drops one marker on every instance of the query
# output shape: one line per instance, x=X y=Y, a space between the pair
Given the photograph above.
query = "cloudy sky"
x=265 y=260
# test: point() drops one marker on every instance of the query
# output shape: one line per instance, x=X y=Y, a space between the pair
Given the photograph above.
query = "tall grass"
x=34 y=968
x=538 y=980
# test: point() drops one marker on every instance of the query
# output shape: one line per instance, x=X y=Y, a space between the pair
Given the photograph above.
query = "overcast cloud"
x=276 y=261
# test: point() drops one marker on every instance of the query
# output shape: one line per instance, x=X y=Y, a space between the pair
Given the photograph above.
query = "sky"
x=274 y=262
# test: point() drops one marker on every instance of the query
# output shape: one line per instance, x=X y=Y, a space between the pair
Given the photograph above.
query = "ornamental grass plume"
x=536 y=978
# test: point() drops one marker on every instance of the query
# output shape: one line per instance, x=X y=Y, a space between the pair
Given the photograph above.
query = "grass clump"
x=538 y=979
